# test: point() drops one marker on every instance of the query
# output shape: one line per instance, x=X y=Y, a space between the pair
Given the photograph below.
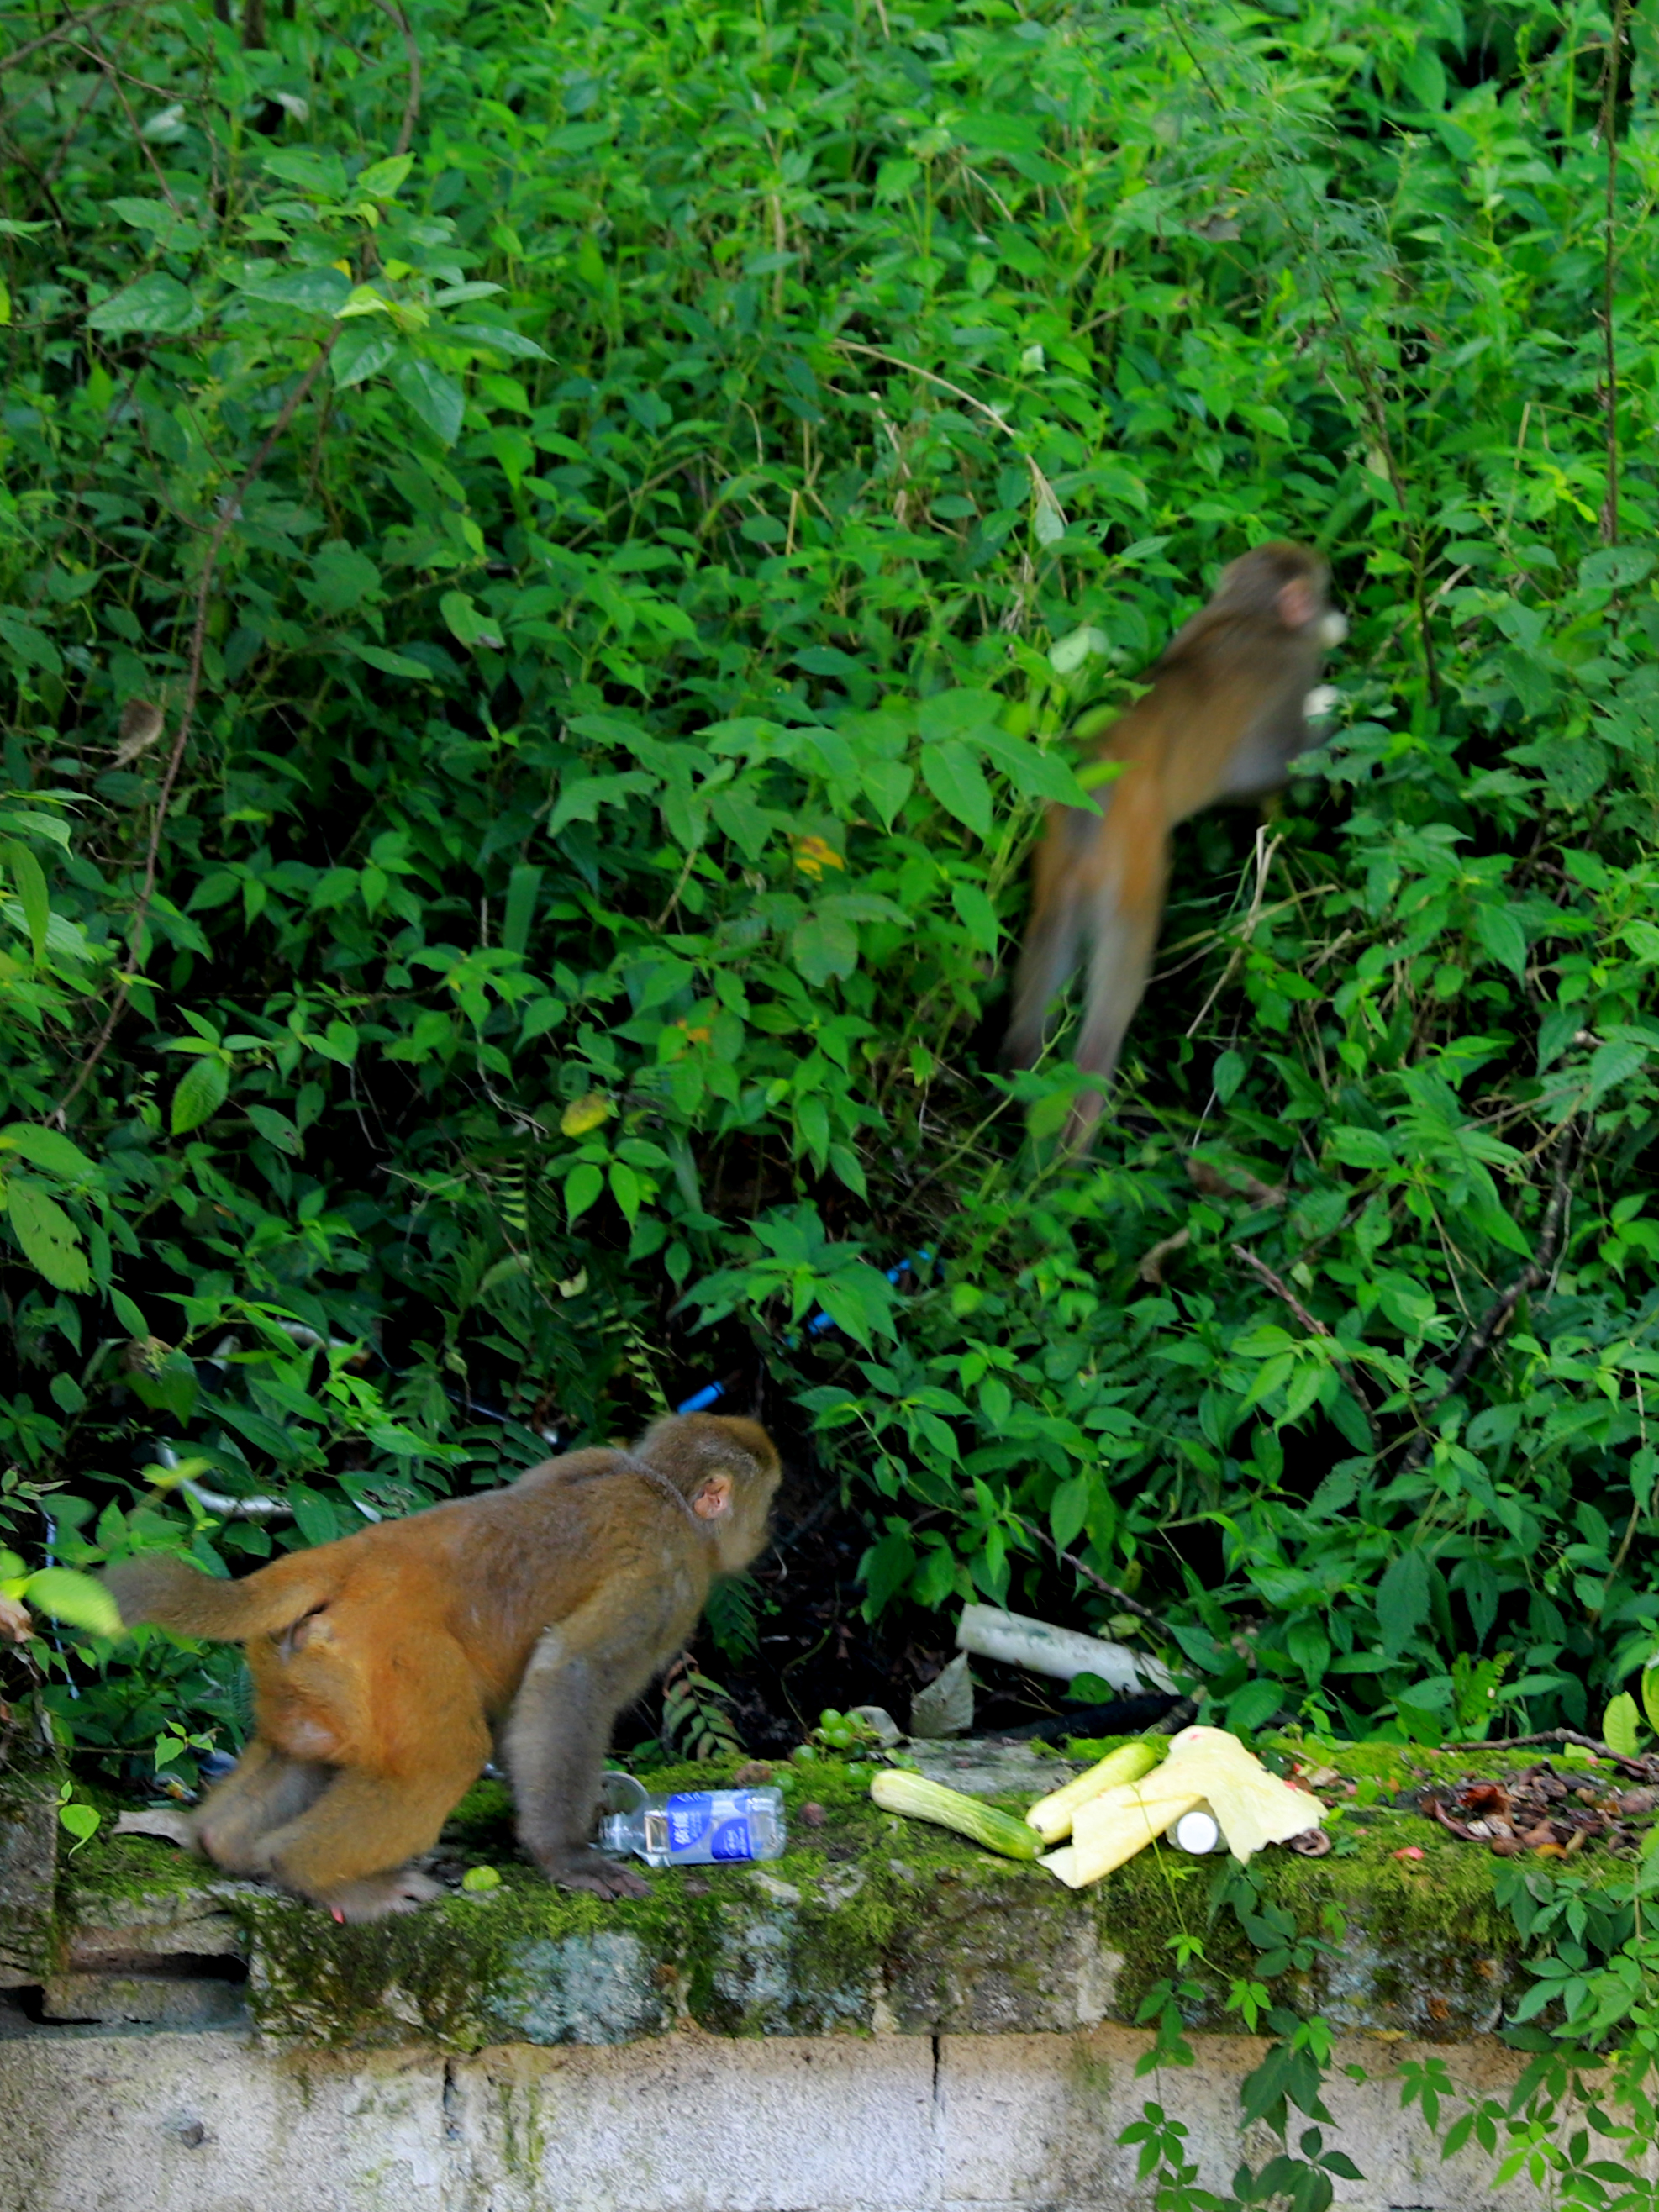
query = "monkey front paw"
x=379 y=1895
x=590 y=1869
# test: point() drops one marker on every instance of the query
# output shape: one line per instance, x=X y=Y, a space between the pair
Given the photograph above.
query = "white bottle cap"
x=1197 y=1832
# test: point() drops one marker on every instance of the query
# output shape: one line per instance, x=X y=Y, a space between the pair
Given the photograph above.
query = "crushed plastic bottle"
x=691 y=1827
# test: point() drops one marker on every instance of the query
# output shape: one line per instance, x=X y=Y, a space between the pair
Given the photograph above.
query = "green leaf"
x=315 y=1517
x=1651 y=1693
x=1556 y=1032
x=580 y=800
x=81 y=1821
x=886 y=1567
x=389 y=663
x=824 y=947
x=468 y=622
x=1424 y=73
x=1067 y=655
x=1622 y=1725
x=1034 y=774
x=314 y=291
x=948 y=715
x=1068 y=1509
x=625 y=1189
x=1497 y=931
x=47 y=1148
x=1615 y=567
x=1402 y=1600
x=200 y=1095
x=74 y=1598
x=31 y=644
x=581 y=1187
x=1254 y=1705
x=956 y=781
x=171 y=1387
x=364 y=346
x=277 y=1129
x=322 y=175
x=978 y=916
x=513 y=343
x=432 y=398
x=157 y=304
x=888 y=784
x=51 y=1241
x=382 y=181
x=521 y=888
x=29 y=880
x=1613 y=1064
x=1089 y=1689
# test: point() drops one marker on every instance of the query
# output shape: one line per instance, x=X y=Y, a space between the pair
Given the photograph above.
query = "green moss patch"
x=870 y=1922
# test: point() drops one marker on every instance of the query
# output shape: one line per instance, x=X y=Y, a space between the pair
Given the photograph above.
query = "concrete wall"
x=216 y=2121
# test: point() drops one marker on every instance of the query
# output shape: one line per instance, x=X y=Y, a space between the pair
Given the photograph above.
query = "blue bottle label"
x=688 y=1814
x=731 y=1840
x=702 y=1825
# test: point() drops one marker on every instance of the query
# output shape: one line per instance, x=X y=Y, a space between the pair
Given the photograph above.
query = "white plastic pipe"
x=1062 y=1652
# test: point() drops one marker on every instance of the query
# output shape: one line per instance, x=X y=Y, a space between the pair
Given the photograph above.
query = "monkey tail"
x=164 y=1590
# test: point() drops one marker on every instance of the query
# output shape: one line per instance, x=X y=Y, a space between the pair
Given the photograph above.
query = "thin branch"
x=1360 y=370
x=1282 y=1291
x=230 y=512
x=1042 y=490
x=1532 y=1277
x=413 y=104
x=911 y=368
x=1265 y=854
x=64 y=32
x=1643 y=1767
x=1609 y=266
x=1119 y=1597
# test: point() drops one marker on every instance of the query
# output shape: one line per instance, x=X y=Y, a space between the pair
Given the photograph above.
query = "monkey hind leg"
x=1123 y=931
x=348 y=1851
x=425 y=1739
x=1046 y=962
x=264 y=1789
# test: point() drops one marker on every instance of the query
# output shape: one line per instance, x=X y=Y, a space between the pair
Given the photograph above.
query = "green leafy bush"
x=543 y=597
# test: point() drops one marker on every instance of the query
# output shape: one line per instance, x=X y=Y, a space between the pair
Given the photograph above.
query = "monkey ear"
x=713 y=1497
x=1298 y=603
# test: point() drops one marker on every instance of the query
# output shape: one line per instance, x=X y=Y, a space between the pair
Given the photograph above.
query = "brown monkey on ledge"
x=382 y=1663
x=1226 y=715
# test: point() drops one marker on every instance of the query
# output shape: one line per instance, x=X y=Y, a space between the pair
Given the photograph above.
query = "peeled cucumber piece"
x=896 y=1790
x=1051 y=1816
x=1120 y=1822
x=1205 y=1766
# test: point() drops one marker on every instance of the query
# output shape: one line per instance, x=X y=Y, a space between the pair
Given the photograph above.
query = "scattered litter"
x=945 y=1707
x=1539 y=1812
x=159 y=1821
x=879 y=1722
x=1199 y=1832
x=1064 y=1653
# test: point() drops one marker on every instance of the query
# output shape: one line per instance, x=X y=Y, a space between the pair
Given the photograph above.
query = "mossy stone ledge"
x=869 y=1925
